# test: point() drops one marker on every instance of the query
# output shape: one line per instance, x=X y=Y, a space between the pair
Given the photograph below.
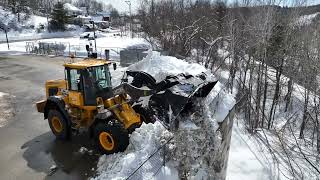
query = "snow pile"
x=161 y=66
x=306 y=19
x=144 y=141
x=6 y=110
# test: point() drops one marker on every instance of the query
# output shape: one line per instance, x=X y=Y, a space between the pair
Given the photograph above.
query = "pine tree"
x=59 y=18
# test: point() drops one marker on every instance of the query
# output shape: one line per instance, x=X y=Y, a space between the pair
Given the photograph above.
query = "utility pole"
x=5 y=31
x=46 y=6
x=129 y=4
x=94 y=35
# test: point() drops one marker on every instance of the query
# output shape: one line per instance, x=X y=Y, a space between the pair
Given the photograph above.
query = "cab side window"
x=74 y=79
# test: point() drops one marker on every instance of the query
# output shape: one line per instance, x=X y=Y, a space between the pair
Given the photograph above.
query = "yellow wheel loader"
x=85 y=99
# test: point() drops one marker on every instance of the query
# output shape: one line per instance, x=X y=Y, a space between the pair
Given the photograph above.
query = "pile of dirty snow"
x=144 y=141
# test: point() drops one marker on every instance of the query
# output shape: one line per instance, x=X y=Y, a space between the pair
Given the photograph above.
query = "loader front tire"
x=58 y=125
x=111 y=137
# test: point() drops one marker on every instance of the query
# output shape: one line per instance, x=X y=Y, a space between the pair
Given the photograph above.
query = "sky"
x=122 y=6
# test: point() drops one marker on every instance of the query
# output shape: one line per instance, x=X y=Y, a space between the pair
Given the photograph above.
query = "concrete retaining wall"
x=130 y=56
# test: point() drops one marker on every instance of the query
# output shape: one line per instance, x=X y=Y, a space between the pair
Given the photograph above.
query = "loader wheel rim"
x=57 y=125
x=106 y=141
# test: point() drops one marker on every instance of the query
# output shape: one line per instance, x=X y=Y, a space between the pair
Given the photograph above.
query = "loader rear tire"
x=58 y=125
x=111 y=137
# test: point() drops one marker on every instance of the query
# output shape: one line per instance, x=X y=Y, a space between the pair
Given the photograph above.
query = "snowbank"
x=306 y=19
x=76 y=44
x=143 y=142
x=161 y=66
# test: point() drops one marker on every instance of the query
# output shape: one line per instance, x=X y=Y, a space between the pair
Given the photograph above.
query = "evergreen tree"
x=59 y=18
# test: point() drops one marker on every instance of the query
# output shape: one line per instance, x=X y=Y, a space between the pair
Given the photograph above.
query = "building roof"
x=87 y=63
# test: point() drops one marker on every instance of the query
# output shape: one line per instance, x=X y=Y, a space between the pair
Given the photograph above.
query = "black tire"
x=117 y=135
x=53 y=117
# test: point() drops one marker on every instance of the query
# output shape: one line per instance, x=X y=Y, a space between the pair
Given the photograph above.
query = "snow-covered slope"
x=306 y=19
x=11 y=20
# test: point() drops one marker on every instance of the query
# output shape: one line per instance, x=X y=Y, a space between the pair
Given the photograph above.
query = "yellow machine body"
x=84 y=116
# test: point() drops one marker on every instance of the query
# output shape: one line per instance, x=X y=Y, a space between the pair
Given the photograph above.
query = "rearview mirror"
x=114 y=66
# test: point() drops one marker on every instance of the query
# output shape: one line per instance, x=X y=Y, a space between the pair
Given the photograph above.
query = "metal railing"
x=67 y=50
x=152 y=165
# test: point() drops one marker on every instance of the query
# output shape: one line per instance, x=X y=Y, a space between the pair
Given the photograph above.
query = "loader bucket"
x=169 y=98
x=176 y=95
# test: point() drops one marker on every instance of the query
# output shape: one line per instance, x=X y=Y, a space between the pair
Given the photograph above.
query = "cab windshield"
x=101 y=76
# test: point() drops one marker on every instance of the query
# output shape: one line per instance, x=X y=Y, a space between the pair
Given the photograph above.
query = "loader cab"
x=88 y=80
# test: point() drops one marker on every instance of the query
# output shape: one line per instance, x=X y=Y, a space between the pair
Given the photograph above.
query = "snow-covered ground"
x=246 y=157
x=306 y=19
x=76 y=45
x=278 y=153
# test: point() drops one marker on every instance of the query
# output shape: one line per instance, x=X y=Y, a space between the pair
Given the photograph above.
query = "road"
x=28 y=148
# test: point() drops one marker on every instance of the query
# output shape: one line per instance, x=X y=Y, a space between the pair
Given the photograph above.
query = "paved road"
x=28 y=148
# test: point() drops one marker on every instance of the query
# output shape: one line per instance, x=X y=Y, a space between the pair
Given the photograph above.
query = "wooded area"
x=270 y=52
